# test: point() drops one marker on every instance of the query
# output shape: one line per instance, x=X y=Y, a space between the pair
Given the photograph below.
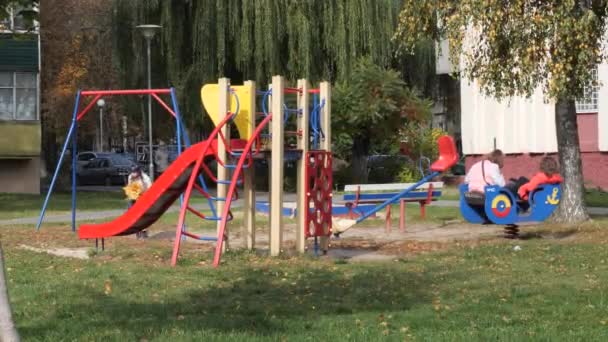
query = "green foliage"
x=26 y=12
x=374 y=104
x=420 y=140
x=342 y=177
x=513 y=47
x=242 y=39
x=408 y=174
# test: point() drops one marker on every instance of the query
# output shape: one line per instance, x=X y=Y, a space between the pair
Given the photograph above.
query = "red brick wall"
x=587 y=132
x=595 y=165
x=594 y=162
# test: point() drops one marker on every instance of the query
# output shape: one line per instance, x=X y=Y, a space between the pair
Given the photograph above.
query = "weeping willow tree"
x=243 y=39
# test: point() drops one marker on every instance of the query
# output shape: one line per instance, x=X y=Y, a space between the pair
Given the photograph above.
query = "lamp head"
x=148 y=31
x=101 y=102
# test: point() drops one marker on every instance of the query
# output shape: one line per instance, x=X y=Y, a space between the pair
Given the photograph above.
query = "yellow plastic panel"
x=210 y=97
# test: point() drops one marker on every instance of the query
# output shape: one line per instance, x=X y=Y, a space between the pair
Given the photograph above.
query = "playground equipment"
x=235 y=158
x=320 y=189
x=78 y=115
x=232 y=105
x=448 y=156
x=500 y=206
x=360 y=198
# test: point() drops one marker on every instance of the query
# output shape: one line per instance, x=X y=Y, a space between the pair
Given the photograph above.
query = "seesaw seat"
x=500 y=206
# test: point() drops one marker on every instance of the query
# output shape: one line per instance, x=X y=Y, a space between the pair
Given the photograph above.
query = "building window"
x=18 y=96
x=588 y=104
x=16 y=19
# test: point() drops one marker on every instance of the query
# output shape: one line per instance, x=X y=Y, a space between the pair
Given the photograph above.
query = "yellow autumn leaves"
x=512 y=47
x=133 y=190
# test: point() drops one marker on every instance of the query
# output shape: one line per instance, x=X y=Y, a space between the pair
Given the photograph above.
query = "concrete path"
x=82 y=216
x=289 y=199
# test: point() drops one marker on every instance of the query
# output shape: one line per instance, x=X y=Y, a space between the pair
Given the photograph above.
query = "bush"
x=386 y=168
x=421 y=140
x=408 y=174
x=342 y=177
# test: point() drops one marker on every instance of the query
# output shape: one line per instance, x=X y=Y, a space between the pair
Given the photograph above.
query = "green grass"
x=551 y=290
x=20 y=205
x=17 y=205
x=596 y=198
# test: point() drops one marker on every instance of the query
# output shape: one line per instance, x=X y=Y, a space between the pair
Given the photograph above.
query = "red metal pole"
x=388 y=219
x=289 y=90
x=195 y=212
x=164 y=105
x=87 y=108
x=125 y=92
x=402 y=216
x=232 y=188
x=194 y=236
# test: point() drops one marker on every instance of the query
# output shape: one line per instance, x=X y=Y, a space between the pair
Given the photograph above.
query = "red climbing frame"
x=318 y=195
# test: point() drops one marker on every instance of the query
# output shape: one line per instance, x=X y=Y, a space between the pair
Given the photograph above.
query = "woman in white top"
x=486 y=172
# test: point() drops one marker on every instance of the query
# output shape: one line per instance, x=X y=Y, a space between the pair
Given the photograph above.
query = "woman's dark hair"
x=549 y=166
x=136 y=169
x=496 y=157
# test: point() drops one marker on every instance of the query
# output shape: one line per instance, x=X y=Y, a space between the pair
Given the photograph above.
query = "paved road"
x=109 y=214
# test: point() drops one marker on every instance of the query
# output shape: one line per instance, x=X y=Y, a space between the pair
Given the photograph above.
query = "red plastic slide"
x=154 y=202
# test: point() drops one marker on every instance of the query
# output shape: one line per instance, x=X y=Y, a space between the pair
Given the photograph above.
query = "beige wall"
x=20 y=175
x=524 y=125
x=19 y=139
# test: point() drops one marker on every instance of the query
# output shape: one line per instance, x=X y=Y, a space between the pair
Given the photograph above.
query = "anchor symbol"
x=552 y=199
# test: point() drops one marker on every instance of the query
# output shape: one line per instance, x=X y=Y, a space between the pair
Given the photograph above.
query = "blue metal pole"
x=178 y=121
x=74 y=152
x=397 y=196
x=58 y=167
x=178 y=128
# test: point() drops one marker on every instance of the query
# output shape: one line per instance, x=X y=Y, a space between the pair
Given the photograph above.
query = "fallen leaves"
x=107 y=287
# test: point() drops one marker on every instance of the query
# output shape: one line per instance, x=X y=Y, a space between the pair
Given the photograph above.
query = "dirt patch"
x=78 y=253
x=366 y=242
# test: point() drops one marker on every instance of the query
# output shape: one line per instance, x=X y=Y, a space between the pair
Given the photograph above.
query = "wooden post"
x=303 y=140
x=249 y=186
x=276 y=166
x=222 y=172
x=325 y=94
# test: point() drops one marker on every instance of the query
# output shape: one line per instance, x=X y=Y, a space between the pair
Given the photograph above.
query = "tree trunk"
x=359 y=160
x=572 y=207
x=8 y=332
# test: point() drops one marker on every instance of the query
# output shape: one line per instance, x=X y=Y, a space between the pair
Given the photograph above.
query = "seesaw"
x=497 y=206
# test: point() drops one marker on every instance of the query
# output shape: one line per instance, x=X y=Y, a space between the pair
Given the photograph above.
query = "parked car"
x=384 y=168
x=109 y=169
x=83 y=158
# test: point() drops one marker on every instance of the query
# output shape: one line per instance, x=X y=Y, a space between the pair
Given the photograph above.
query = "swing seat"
x=496 y=205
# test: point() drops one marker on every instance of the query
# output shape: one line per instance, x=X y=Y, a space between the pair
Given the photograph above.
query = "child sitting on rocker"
x=549 y=173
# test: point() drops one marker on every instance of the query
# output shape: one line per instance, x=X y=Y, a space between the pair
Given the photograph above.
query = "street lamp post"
x=101 y=103
x=148 y=32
